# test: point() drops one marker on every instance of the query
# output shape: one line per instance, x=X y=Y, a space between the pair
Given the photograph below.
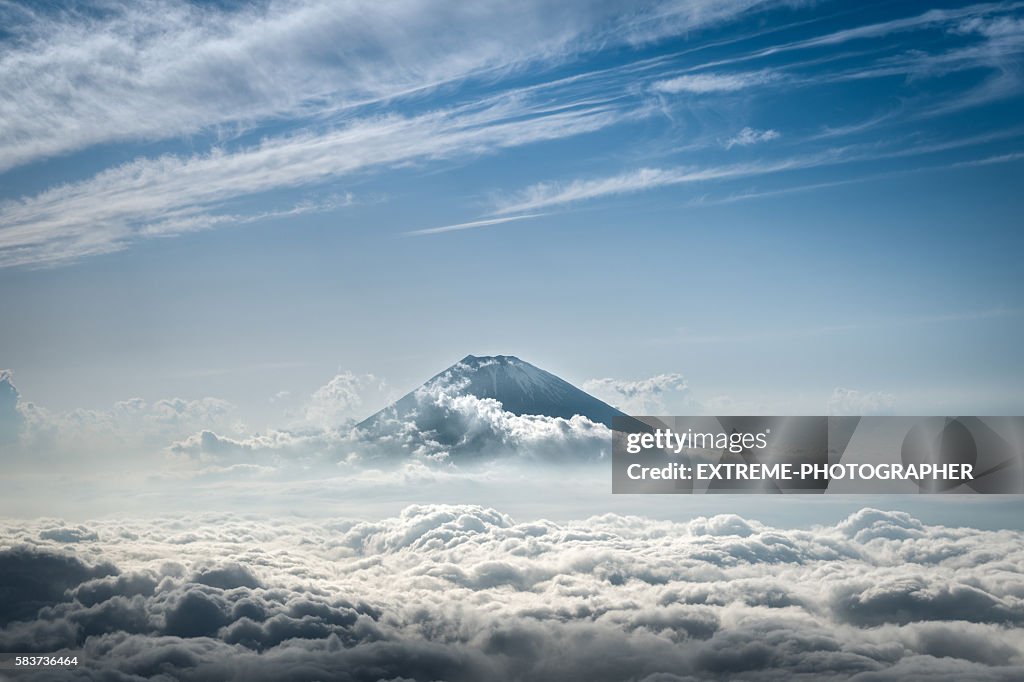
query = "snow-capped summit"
x=521 y=388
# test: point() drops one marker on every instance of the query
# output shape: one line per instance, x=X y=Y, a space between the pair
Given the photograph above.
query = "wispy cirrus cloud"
x=174 y=194
x=749 y=136
x=999 y=43
x=702 y=83
x=158 y=69
x=330 y=76
x=471 y=225
x=548 y=195
x=949 y=19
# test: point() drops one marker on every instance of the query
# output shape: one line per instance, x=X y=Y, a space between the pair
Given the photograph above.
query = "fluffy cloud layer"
x=443 y=424
x=207 y=435
x=466 y=593
x=131 y=429
x=446 y=421
x=134 y=423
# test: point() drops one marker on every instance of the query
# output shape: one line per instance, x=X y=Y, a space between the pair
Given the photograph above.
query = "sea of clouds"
x=467 y=593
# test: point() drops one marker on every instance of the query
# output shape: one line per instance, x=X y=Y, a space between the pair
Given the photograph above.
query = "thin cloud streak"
x=878 y=30
x=750 y=196
x=702 y=83
x=546 y=195
x=471 y=225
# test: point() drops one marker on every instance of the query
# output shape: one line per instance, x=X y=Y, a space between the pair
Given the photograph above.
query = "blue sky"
x=789 y=204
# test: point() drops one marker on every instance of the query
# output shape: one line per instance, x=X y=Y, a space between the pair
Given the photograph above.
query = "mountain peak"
x=521 y=388
x=479 y=359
